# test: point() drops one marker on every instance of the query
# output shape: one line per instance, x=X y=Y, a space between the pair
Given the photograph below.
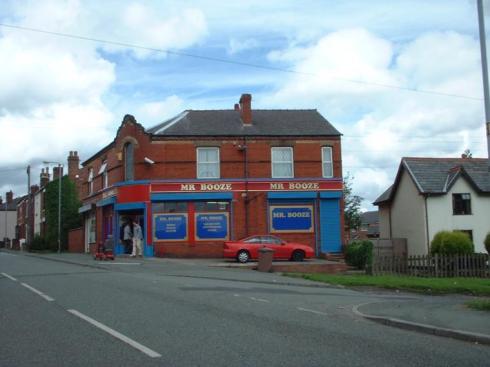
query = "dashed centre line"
x=259 y=300
x=116 y=334
x=38 y=292
x=9 y=276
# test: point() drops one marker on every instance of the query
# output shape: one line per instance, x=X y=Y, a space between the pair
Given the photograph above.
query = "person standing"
x=128 y=238
x=137 y=240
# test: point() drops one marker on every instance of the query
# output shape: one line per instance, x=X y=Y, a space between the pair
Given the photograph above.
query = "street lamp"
x=60 y=167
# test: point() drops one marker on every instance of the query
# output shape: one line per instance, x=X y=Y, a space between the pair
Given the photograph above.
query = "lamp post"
x=60 y=166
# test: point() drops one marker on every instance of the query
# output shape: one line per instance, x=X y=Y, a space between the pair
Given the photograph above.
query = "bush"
x=38 y=243
x=451 y=243
x=359 y=254
x=487 y=243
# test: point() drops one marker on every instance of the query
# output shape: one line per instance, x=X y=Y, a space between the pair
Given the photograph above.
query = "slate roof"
x=437 y=175
x=228 y=123
x=13 y=205
x=371 y=217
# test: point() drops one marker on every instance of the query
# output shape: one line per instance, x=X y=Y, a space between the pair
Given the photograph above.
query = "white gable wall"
x=440 y=212
x=408 y=216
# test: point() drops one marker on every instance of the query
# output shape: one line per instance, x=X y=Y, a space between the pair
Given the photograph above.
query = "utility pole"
x=59 y=206
x=484 y=65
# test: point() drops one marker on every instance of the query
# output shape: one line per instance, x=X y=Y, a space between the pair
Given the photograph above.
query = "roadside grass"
x=473 y=286
x=479 y=304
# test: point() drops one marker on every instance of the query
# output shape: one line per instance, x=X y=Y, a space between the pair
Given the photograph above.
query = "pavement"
x=441 y=315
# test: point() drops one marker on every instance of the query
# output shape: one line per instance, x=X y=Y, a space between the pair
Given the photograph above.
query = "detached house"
x=434 y=194
x=206 y=176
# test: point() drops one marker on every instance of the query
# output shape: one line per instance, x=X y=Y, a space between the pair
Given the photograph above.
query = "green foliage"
x=359 y=254
x=479 y=304
x=352 y=205
x=38 y=243
x=487 y=242
x=69 y=211
x=451 y=243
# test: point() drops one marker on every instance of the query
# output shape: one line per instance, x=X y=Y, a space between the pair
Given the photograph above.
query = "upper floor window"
x=282 y=162
x=327 y=166
x=461 y=204
x=103 y=172
x=207 y=162
x=129 y=162
x=90 y=181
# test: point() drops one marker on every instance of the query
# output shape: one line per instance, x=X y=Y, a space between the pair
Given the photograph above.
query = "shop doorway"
x=126 y=217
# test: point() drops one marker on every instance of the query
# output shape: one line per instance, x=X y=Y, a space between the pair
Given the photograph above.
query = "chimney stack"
x=34 y=189
x=73 y=165
x=9 y=197
x=44 y=177
x=246 y=108
x=57 y=171
x=1 y=200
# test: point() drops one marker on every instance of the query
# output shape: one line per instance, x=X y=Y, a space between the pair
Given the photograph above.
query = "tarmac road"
x=173 y=313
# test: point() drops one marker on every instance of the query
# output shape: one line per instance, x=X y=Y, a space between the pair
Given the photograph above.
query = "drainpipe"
x=245 y=174
x=427 y=224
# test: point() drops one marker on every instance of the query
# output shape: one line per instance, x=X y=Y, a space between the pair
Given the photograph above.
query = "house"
x=8 y=217
x=369 y=226
x=434 y=194
x=206 y=176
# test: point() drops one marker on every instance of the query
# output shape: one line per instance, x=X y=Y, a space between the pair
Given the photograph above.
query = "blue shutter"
x=330 y=230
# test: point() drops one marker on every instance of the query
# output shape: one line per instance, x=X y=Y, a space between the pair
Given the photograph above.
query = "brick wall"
x=76 y=240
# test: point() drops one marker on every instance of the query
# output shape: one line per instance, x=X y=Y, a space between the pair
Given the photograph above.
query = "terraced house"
x=206 y=176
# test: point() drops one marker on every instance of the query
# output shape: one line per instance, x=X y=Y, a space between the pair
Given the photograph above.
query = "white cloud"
x=155 y=112
x=237 y=46
x=381 y=125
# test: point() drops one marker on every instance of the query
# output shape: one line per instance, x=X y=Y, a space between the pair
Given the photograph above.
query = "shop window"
x=170 y=207
x=208 y=163
x=211 y=206
x=327 y=167
x=461 y=204
x=282 y=162
x=103 y=172
x=90 y=181
x=129 y=162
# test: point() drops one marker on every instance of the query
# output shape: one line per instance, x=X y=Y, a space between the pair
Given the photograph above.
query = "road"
x=171 y=313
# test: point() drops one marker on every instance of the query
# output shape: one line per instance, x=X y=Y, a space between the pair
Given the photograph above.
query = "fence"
x=474 y=265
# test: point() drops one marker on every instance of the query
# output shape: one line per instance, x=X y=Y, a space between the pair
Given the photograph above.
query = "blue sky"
x=60 y=94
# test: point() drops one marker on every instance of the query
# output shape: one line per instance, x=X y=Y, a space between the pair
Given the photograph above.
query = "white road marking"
x=45 y=296
x=116 y=334
x=312 y=311
x=236 y=295
x=9 y=276
x=111 y=263
x=259 y=300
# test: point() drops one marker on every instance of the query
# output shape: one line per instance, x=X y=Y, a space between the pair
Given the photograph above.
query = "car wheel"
x=243 y=256
x=298 y=255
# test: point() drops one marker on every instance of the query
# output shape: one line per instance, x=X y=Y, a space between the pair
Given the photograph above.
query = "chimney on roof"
x=57 y=171
x=73 y=165
x=34 y=189
x=1 y=200
x=237 y=107
x=44 y=177
x=246 y=108
x=9 y=197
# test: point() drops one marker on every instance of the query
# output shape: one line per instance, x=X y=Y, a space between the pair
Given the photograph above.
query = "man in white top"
x=137 y=240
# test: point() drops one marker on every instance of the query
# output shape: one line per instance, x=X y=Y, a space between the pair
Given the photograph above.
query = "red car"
x=248 y=248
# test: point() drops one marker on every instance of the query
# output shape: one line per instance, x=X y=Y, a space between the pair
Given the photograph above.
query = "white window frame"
x=218 y=163
x=103 y=172
x=324 y=149
x=290 y=162
x=90 y=181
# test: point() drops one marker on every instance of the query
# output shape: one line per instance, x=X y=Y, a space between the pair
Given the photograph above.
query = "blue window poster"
x=211 y=226
x=291 y=218
x=170 y=227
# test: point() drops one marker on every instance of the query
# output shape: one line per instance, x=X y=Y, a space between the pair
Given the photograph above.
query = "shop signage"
x=170 y=227
x=320 y=185
x=109 y=193
x=291 y=218
x=211 y=226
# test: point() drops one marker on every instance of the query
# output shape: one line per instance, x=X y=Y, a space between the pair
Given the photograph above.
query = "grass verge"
x=479 y=304
x=474 y=286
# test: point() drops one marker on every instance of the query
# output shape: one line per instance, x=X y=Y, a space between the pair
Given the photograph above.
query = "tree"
x=352 y=205
x=70 y=218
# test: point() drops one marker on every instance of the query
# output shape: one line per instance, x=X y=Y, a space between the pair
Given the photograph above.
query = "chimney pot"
x=246 y=108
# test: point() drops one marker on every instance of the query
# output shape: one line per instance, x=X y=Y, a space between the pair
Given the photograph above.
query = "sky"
x=357 y=62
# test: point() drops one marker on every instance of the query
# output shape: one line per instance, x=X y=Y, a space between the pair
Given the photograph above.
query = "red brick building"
x=203 y=177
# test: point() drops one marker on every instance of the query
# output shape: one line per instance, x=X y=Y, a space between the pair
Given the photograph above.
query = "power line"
x=233 y=62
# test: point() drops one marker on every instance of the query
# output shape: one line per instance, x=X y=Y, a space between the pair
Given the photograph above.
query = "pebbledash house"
x=207 y=176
